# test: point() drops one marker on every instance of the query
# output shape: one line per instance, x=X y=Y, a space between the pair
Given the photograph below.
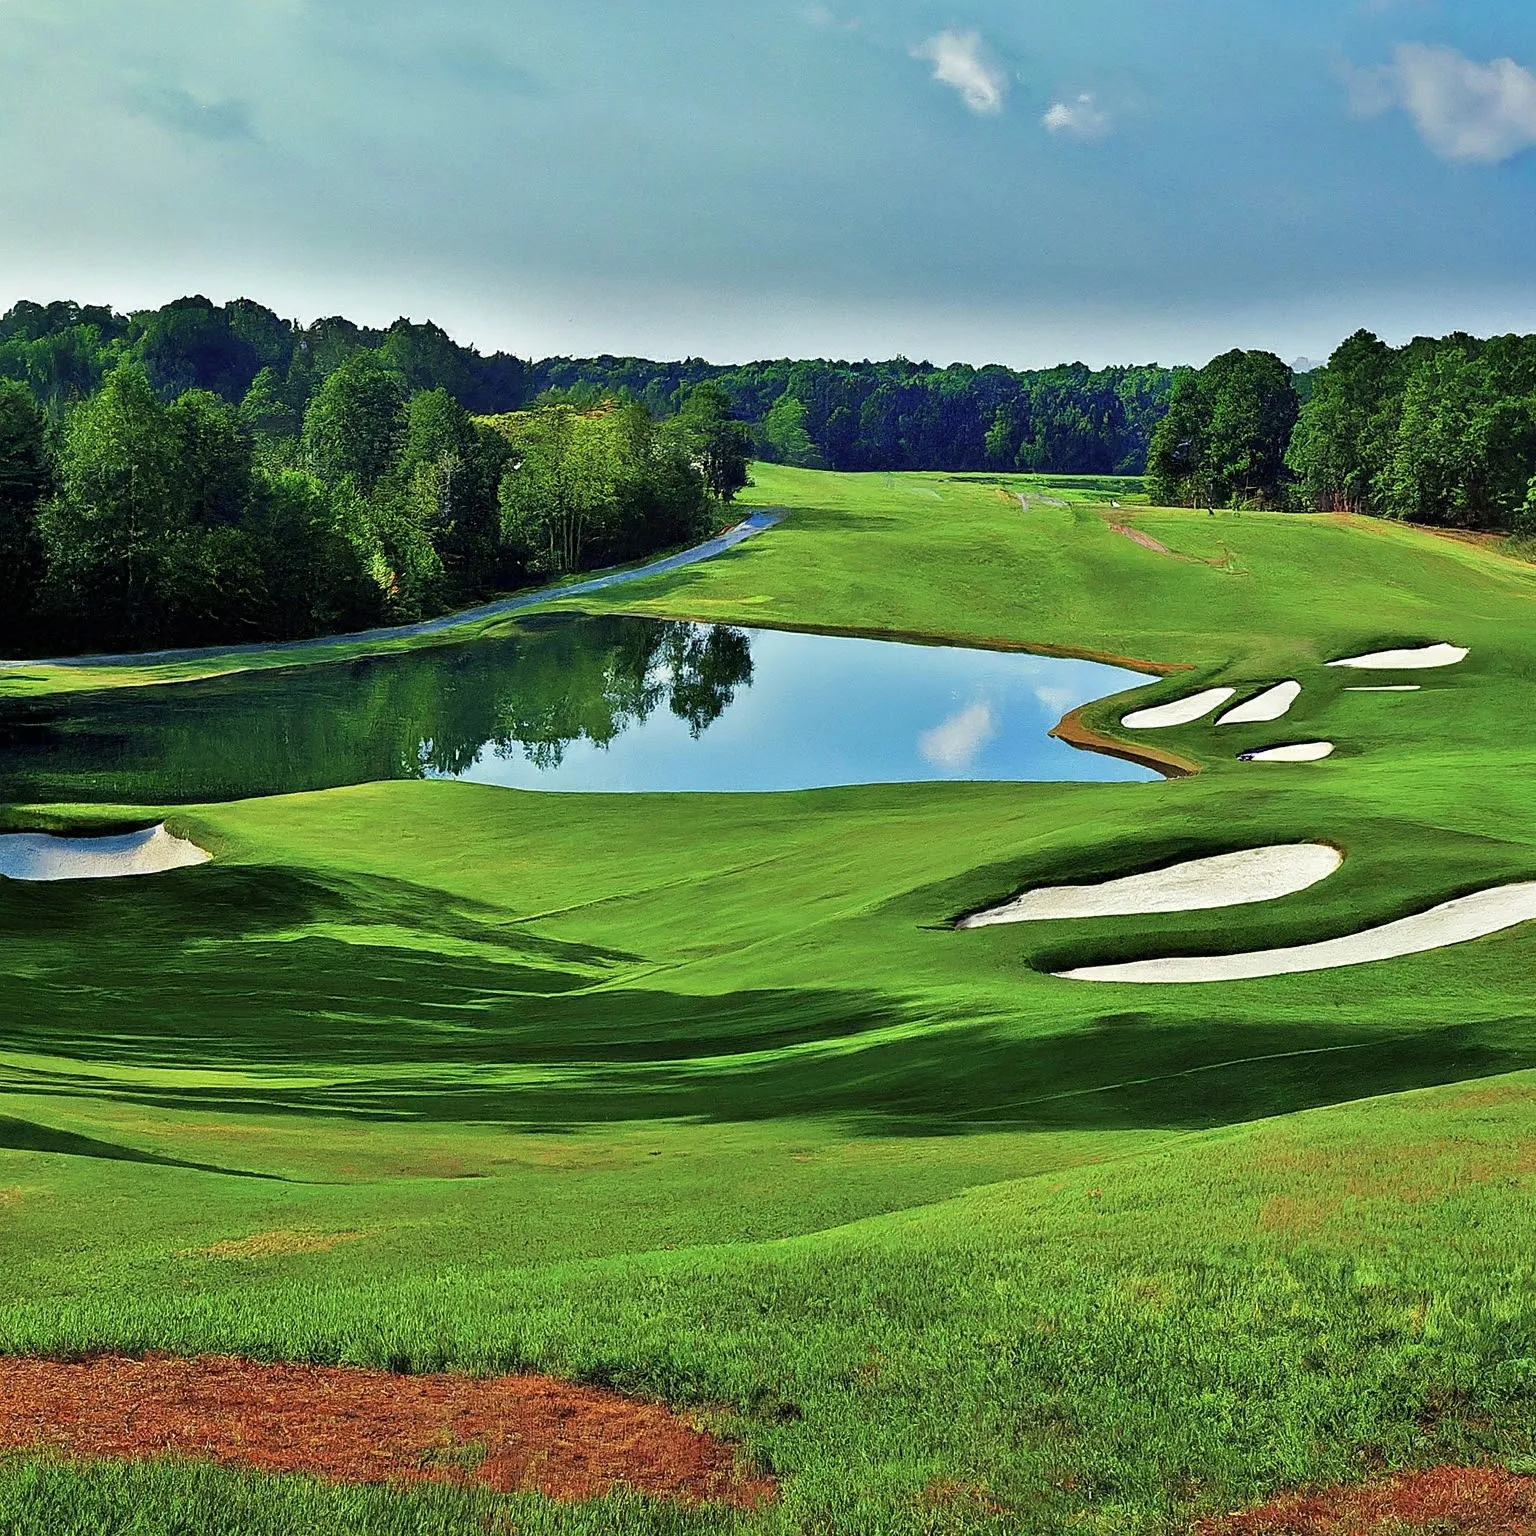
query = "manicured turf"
x=703 y=1096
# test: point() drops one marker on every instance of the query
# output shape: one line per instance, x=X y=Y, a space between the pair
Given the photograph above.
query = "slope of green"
x=705 y=1097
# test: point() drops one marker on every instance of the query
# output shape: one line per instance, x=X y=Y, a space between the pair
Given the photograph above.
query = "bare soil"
x=508 y=1433
x=1447 y=1501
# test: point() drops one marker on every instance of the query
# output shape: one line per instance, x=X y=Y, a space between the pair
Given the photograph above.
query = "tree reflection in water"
x=557 y=680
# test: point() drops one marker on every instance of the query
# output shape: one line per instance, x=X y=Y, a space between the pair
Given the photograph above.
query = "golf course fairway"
x=705 y=1098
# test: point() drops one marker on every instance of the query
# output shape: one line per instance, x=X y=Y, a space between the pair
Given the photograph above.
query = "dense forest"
x=1438 y=431
x=204 y=473
x=899 y=415
x=889 y=416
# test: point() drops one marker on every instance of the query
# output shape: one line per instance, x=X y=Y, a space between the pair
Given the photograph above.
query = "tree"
x=106 y=533
x=1226 y=432
x=1341 y=436
x=601 y=485
x=562 y=489
x=191 y=344
x=1252 y=413
x=1176 y=459
x=356 y=423
x=26 y=476
x=214 y=455
x=452 y=468
x=1463 y=452
x=314 y=578
x=1523 y=523
x=785 y=433
x=267 y=413
x=719 y=445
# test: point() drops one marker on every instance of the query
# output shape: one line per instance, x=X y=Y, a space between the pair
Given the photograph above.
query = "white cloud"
x=959 y=59
x=1476 y=113
x=954 y=743
x=1082 y=118
x=828 y=20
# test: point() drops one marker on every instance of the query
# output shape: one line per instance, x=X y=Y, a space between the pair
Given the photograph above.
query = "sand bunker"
x=1411 y=659
x=1272 y=704
x=1453 y=922
x=1299 y=752
x=42 y=856
x=1387 y=688
x=508 y=1433
x=1180 y=712
x=1451 y=1501
x=1227 y=880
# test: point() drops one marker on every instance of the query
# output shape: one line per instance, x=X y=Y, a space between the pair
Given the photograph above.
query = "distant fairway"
x=705 y=1098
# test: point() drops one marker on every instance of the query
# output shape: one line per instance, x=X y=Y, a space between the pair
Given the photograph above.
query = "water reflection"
x=573 y=703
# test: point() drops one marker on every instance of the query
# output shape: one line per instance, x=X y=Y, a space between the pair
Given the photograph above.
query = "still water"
x=575 y=703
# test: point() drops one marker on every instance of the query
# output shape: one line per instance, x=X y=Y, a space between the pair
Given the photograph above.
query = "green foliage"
x=587 y=487
x=1336 y=449
x=1436 y=432
x=107 y=533
x=195 y=344
x=718 y=444
x=901 y=415
x=26 y=475
x=214 y=459
x=315 y=579
x=1225 y=436
x=267 y=413
x=1523 y=524
x=785 y=435
x=355 y=425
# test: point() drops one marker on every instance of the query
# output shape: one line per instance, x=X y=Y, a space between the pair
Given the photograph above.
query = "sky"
x=1016 y=181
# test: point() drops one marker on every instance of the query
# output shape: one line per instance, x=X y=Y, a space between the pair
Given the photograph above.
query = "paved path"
x=756 y=522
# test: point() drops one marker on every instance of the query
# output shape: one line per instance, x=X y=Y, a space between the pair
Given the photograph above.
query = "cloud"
x=1081 y=118
x=220 y=122
x=1474 y=113
x=959 y=59
x=954 y=743
x=484 y=69
x=1058 y=699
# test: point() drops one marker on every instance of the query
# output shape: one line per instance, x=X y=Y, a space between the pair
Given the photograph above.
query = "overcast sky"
x=1022 y=181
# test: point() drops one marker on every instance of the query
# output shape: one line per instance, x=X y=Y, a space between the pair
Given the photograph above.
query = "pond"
x=569 y=702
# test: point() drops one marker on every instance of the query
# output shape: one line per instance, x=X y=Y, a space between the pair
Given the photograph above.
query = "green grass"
x=702 y=1096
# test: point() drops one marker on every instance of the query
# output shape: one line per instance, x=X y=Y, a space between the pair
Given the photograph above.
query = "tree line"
x=1440 y=431
x=204 y=473
x=141 y=507
x=900 y=415
x=891 y=415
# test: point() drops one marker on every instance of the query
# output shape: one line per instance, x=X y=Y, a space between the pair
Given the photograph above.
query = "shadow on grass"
x=27 y=1136
x=197 y=980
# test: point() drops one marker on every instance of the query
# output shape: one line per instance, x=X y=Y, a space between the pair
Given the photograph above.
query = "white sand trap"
x=1407 y=660
x=1227 y=880
x=42 y=856
x=1301 y=752
x=1388 y=688
x=1272 y=704
x=1455 y=922
x=1181 y=712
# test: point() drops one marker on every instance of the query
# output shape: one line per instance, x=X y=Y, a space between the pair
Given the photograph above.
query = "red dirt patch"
x=508 y=1433
x=1136 y=536
x=1449 y=1501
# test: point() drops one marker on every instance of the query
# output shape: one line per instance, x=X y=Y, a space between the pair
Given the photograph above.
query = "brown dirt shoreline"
x=1076 y=733
x=1448 y=1501
x=350 y=1425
